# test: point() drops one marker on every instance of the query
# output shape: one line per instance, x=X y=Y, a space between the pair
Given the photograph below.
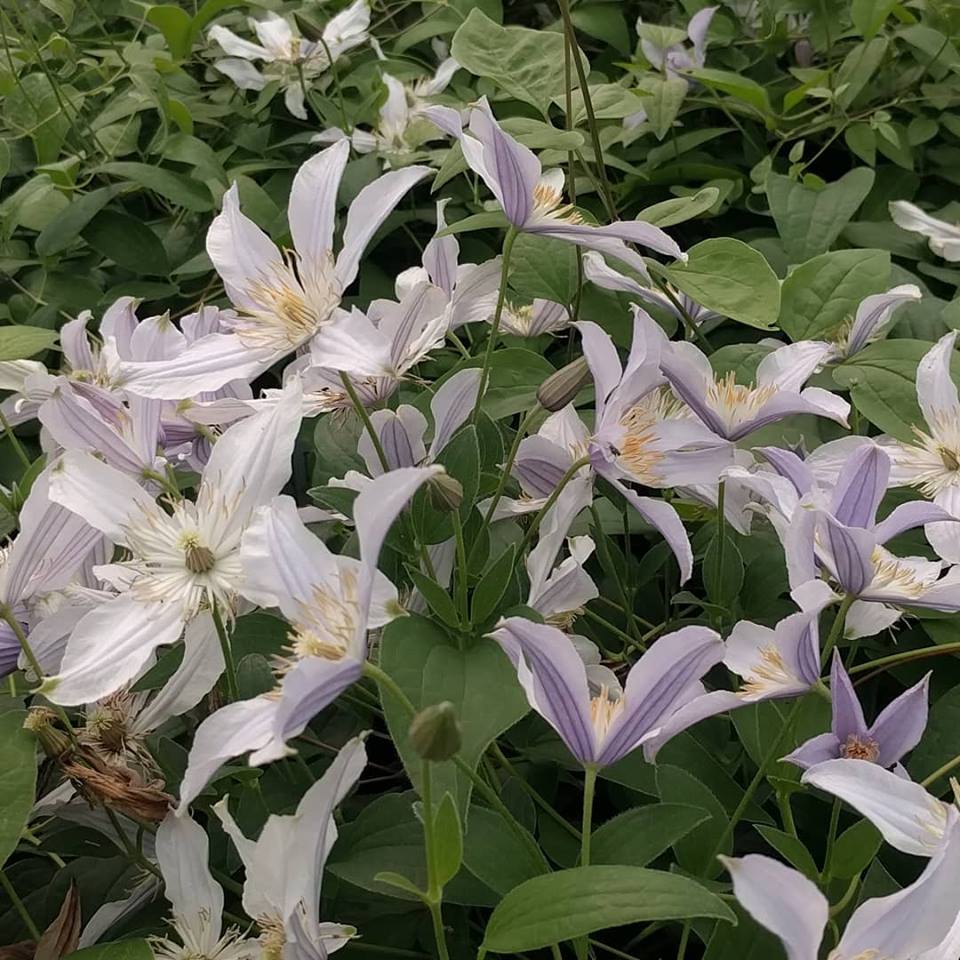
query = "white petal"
x=243 y=73
x=236 y=46
x=944 y=237
x=313 y=202
x=110 y=646
x=936 y=391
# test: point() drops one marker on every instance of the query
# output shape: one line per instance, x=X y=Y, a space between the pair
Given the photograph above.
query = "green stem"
x=19 y=906
x=831 y=841
x=836 y=631
x=461 y=569
x=895 y=658
x=692 y=327
x=606 y=193
x=586 y=828
x=721 y=526
x=230 y=667
x=572 y=470
x=786 y=813
x=14 y=442
x=365 y=420
x=497 y=314
x=941 y=771
x=434 y=890
x=508 y=463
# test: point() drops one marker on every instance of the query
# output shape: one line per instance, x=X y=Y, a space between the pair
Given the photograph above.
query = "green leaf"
x=858 y=68
x=543 y=267
x=663 y=102
x=728 y=276
x=939 y=743
x=399 y=881
x=20 y=342
x=121 y=950
x=574 y=903
x=60 y=232
x=677 y=785
x=527 y=64
x=129 y=242
x=736 y=85
x=18 y=779
x=810 y=220
x=492 y=586
x=448 y=840
x=437 y=598
x=495 y=855
x=479 y=682
x=638 y=836
x=791 y=849
x=603 y=21
x=175 y=187
x=881 y=379
x=820 y=296
x=477 y=221
x=723 y=582
x=175 y=25
x=668 y=213
x=855 y=849
x=868 y=16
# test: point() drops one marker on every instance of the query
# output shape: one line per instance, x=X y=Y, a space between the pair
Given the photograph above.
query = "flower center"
x=768 y=673
x=548 y=202
x=604 y=710
x=736 y=401
x=950 y=458
x=273 y=937
x=199 y=559
x=890 y=574
x=860 y=748
x=327 y=625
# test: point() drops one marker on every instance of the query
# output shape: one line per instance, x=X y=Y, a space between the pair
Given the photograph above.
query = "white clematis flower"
x=180 y=561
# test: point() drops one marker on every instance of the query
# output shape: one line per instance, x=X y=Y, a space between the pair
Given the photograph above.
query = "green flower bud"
x=444 y=492
x=561 y=387
x=435 y=732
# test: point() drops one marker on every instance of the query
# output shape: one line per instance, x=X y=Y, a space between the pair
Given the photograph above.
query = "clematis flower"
x=944 y=238
x=598 y=271
x=403 y=126
x=401 y=431
x=330 y=601
x=285 y=864
x=896 y=731
x=180 y=562
x=533 y=319
x=916 y=923
x=283 y=300
x=734 y=410
x=288 y=58
x=872 y=319
x=677 y=57
x=599 y=721
x=909 y=817
x=772 y=663
x=45 y=556
x=931 y=463
x=195 y=897
x=532 y=200
x=846 y=542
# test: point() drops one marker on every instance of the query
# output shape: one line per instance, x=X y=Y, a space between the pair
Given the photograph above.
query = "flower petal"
x=874 y=314
x=936 y=391
x=944 y=237
x=900 y=725
x=451 y=405
x=313 y=203
x=860 y=487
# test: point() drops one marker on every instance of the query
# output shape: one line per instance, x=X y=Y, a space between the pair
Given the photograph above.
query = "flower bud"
x=444 y=492
x=55 y=743
x=561 y=387
x=435 y=732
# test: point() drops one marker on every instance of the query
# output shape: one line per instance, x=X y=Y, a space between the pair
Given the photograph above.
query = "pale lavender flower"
x=677 y=56
x=283 y=301
x=734 y=410
x=599 y=721
x=534 y=319
x=931 y=463
x=919 y=922
x=330 y=601
x=944 y=237
x=533 y=200
x=896 y=731
x=872 y=319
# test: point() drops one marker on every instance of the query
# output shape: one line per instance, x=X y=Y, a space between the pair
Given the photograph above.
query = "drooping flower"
x=896 y=731
x=944 y=238
x=284 y=865
x=534 y=319
x=283 y=300
x=872 y=319
x=195 y=897
x=180 y=561
x=676 y=56
x=286 y=57
x=532 y=200
x=330 y=602
x=734 y=410
x=918 y=922
x=599 y=721
x=909 y=817
x=931 y=463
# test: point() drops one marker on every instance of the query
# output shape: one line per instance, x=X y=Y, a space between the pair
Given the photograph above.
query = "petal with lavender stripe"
x=900 y=725
x=860 y=487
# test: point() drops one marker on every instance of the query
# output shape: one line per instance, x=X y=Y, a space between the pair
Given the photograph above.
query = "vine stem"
x=434 y=891
x=572 y=470
x=508 y=241
x=586 y=828
x=364 y=419
x=230 y=667
x=509 y=462
x=19 y=906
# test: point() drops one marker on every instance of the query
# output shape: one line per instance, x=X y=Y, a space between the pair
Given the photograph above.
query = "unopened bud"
x=803 y=52
x=55 y=743
x=435 y=732
x=445 y=493
x=308 y=29
x=561 y=387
